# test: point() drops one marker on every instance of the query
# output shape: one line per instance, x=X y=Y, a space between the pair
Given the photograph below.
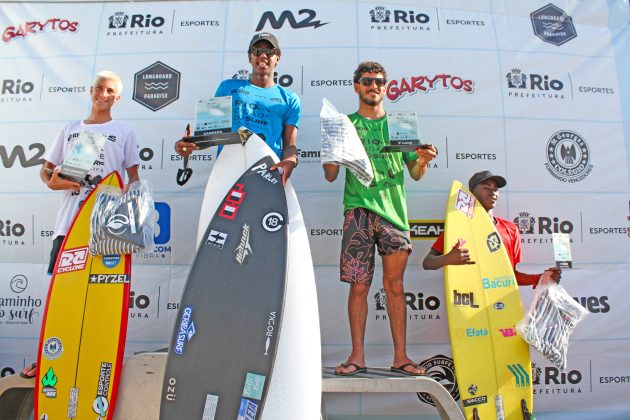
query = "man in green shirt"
x=377 y=217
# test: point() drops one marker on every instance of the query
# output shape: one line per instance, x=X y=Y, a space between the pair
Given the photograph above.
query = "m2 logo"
x=465 y=203
x=72 y=260
x=287 y=15
x=235 y=197
x=8 y=160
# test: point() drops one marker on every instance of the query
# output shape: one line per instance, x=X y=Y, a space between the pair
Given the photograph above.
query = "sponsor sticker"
x=254 y=385
x=465 y=203
x=273 y=222
x=216 y=239
x=73 y=403
x=111 y=261
x=475 y=401
x=247 y=410
x=49 y=380
x=109 y=278
x=72 y=260
x=493 y=241
x=520 y=375
x=53 y=348
x=186 y=330
x=210 y=407
x=243 y=249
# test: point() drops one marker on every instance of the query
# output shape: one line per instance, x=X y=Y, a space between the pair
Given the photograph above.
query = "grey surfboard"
x=224 y=341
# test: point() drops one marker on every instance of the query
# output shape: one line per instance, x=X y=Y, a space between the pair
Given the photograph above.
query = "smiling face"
x=104 y=94
x=487 y=192
x=263 y=64
x=372 y=94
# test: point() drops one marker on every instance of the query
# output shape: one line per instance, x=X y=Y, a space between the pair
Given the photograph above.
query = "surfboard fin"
x=526 y=414
x=475 y=414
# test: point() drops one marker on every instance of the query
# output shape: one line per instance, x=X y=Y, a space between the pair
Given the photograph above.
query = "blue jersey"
x=265 y=111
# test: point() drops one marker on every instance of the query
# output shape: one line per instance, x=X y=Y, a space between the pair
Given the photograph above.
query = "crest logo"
x=525 y=222
x=516 y=79
x=568 y=157
x=118 y=20
x=380 y=15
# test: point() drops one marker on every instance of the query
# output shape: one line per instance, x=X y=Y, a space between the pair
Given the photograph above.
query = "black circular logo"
x=442 y=369
x=273 y=222
x=568 y=157
x=18 y=283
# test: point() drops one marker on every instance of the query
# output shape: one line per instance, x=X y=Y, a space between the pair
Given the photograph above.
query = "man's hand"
x=552 y=274
x=56 y=183
x=426 y=154
x=458 y=255
x=287 y=165
x=184 y=148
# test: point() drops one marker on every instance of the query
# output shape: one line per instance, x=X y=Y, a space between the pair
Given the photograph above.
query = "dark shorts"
x=362 y=230
x=54 y=252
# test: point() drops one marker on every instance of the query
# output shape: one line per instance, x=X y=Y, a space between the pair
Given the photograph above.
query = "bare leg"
x=393 y=270
x=357 y=315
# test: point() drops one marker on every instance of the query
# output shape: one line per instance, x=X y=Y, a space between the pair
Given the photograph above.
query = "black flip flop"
x=357 y=369
x=30 y=369
x=401 y=369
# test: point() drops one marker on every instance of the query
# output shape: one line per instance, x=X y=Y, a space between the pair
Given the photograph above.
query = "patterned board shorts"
x=362 y=229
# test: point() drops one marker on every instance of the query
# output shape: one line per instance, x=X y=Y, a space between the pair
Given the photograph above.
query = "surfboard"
x=492 y=363
x=82 y=339
x=217 y=376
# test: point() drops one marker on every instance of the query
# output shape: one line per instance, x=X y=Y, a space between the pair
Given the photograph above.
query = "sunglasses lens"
x=259 y=51
x=367 y=81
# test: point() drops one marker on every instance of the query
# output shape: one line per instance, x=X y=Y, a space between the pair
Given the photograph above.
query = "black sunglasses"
x=269 y=52
x=367 y=81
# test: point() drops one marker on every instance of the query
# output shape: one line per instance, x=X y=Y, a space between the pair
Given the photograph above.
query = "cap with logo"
x=265 y=36
x=485 y=175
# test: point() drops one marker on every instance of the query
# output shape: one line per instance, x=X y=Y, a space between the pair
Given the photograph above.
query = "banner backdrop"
x=538 y=92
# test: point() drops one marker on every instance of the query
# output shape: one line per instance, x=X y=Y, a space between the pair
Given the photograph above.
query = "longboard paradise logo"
x=396 y=89
x=37 y=26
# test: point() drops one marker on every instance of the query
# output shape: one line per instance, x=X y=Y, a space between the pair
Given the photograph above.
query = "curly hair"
x=368 y=67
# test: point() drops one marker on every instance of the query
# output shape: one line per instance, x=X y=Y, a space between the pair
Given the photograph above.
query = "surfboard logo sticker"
x=271 y=326
x=247 y=410
x=49 y=380
x=73 y=403
x=111 y=261
x=264 y=173
x=235 y=197
x=472 y=389
x=72 y=260
x=475 y=401
x=464 y=299
x=499 y=305
x=53 y=348
x=493 y=241
x=109 y=278
x=508 y=332
x=216 y=239
x=520 y=375
x=100 y=405
x=186 y=330
x=254 y=385
x=244 y=248
x=465 y=203
x=273 y=222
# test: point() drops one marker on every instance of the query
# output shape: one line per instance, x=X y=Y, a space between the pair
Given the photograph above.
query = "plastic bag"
x=122 y=223
x=551 y=319
x=341 y=144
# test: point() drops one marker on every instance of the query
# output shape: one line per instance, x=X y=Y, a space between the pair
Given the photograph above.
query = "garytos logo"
x=17 y=91
x=307 y=19
x=533 y=86
x=568 y=157
x=396 y=89
x=383 y=19
x=549 y=380
x=540 y=228
x=122 y=24
x=553 y=25
x=419 y=306
x=34 y=27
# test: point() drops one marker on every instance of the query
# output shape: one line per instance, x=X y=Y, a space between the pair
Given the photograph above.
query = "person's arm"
x=552 y=274
x=289 y=152
x=418 y=167
x=49 y=175
x=132 y=174
x=331 y=171
x=457 y=256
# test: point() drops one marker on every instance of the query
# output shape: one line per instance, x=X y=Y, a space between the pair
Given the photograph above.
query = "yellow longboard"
x=492 y=363
x=83 y=331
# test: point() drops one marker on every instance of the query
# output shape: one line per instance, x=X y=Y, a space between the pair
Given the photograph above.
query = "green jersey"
x=386 y=195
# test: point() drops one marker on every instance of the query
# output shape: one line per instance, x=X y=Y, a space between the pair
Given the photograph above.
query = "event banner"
x=537 y=92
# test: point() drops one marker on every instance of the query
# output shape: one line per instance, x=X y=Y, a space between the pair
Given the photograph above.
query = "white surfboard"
x=296 y=382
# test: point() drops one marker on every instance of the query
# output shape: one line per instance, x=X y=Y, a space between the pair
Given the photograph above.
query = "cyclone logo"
x=18 y=283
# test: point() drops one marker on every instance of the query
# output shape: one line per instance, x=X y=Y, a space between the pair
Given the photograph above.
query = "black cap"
x=265 y=36
x=484 y=175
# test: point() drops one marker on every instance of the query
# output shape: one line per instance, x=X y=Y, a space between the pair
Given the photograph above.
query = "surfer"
x=120 y=153
x=485 y=187
x=377 y=217
x=268 y=109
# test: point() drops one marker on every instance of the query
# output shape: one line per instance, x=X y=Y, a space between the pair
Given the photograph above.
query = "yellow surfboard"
x=492 y=363
x=83 y=331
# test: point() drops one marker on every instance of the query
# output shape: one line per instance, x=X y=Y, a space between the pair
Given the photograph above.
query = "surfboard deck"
x=82 y=339
x=492 y=363
x=295 y=385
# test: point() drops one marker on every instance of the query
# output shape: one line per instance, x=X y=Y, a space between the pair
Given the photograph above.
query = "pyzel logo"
x=542 y=85
x=243 y=249
x=273 y=222
x=553 y=25
x=441 y=369
x=465 y=203
x=426 y=229
x=8 y=160
x=493 y=241
x=568 y=157
x=424 y=84
x=216 y=239
x=287 y=16
x=140 y=24
x=156 y=86
x=109 y=278
x=72 y=260
x=35 y=27
x=186 y=330
x=52 y=349
x=49 y=380
x=414 y=20
x=230 y=206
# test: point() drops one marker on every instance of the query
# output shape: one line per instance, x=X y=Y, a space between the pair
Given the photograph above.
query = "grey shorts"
x=362 y=231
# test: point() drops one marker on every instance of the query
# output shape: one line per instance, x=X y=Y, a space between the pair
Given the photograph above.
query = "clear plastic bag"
x=122 y=223
x=552 y=317
x=341 y=144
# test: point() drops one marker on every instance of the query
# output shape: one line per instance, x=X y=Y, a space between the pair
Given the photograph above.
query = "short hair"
x=109 y=75
x=368 y=67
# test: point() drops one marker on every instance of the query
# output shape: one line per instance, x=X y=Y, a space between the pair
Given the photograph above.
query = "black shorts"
x=54 y=252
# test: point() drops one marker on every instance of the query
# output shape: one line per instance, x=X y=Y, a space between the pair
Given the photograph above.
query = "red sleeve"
x=438 y=245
